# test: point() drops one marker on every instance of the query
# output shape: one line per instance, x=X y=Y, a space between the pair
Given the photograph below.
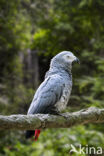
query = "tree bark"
x=40 y=121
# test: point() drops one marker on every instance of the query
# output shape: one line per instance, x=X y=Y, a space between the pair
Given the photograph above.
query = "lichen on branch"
x=40 y=121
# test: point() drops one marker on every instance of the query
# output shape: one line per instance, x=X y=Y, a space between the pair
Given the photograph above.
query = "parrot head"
x=64 y=60
x=69 y=57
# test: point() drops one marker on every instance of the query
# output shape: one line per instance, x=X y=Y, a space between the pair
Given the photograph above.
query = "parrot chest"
x=62 y=103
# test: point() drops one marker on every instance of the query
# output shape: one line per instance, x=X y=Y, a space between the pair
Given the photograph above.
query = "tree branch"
x=40 y=121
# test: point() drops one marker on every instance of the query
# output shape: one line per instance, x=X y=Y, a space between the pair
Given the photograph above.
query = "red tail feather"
x=37 y=132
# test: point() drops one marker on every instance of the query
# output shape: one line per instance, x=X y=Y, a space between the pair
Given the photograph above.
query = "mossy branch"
x=40 y=121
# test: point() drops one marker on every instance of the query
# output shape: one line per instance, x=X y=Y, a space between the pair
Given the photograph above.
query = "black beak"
x=77 y=60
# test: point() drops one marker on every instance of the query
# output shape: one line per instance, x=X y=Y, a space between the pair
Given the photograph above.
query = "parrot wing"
x=49 y=92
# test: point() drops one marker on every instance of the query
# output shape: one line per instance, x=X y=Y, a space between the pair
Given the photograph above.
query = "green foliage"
x=52 y=142
x=49 y=27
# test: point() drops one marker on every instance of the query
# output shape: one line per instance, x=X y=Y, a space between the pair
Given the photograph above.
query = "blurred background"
x=31 y=33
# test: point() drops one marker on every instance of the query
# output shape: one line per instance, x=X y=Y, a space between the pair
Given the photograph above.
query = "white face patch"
x=69 y=57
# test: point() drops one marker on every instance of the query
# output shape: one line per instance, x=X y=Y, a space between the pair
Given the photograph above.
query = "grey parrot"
x=54 y=92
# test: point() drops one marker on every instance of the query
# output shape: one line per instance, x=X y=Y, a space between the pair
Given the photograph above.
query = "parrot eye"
x=68 y=56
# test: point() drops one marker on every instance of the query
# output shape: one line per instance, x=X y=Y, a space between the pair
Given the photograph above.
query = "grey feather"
x=54 y=92
x=47 y=95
